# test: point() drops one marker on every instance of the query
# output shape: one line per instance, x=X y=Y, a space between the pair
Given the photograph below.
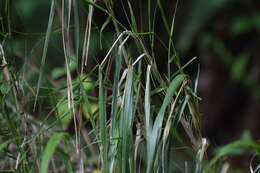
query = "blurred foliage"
x=213 y=25
x=198 y=15
x=246 y=24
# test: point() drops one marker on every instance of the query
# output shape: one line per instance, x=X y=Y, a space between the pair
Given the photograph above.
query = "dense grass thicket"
x=87 y=96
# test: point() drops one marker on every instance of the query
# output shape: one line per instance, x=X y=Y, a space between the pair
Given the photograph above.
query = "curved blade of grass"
x=181 y=68
x=153 y=139
x=107 y=21
x=49 y=150
x=126 y=123
x=147 y=102
x=45 y=48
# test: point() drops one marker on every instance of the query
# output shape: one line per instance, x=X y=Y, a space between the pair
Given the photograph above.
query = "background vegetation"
x=129 y=86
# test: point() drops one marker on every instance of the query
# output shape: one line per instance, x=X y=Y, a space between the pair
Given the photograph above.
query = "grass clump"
x=146 y=120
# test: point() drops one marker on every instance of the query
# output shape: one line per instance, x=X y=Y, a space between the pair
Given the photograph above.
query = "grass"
x=145 y=121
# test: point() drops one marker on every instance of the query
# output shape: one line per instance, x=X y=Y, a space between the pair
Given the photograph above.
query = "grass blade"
x=77 y=26
x=102 y=119
x=147 y=103
x=133 y=21
x=114 y=112
x=168 y=125
x=49 y=150
x=234 y=148
x=45 y=48
x=153 y=140
x=126 y=123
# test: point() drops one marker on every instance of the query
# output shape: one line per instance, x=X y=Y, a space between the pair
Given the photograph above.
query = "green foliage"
x=246 y=24
x=117 y=117
x=49 y=150
x=239 y=147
